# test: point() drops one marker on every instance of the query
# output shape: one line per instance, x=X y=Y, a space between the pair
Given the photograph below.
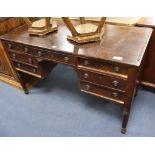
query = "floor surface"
x=56 y=107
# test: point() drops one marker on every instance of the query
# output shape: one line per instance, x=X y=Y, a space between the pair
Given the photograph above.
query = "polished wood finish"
x=108 y=69
x=148 y=76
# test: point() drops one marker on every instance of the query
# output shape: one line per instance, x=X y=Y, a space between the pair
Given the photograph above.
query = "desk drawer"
x=104 y=67
x=28 y=69
x=24 y=49
x=19 y=48
x=64 y=58
x=24 y=58
x=102 y=92
x=102 y=79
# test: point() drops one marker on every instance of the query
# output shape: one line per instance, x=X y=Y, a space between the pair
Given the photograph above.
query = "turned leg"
x=126 y=112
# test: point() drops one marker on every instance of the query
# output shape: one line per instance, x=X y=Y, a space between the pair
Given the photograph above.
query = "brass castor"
x=123 y=130
x=26 y=92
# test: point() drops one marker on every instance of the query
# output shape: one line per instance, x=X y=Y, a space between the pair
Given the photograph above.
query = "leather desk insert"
x=107 y=69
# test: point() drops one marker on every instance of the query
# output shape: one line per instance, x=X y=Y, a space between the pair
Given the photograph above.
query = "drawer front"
x=40 y=53
x=102 y=79
x=24 y=49
x=64 y=58
x=102 y=92
x=28 y=69
x=24 y=59
x=101 y=66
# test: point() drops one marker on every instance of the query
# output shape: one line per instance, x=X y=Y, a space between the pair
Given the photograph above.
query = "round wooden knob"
x=115 y=83
x=86 y=75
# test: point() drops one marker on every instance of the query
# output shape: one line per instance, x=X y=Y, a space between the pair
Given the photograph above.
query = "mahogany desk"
x=107 y=69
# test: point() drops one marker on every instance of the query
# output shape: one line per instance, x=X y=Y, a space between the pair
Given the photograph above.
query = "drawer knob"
x=18 y=65
x=88 y=87
x=86 y=62
x=115 y=83
x=30 y=60
x=117 y=69
x=13 y=56
x=39 y=53
x=66 y=59
x=115 y=94
x=9 y=46
x=101 y=77
x=34 y=70
x=26 y=49
x=86 y=75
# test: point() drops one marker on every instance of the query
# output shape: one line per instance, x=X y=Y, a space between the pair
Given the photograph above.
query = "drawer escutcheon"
x=86 y=75
x=18 y=65
x=13 y=55
x=9 y=46
x=115 y=94
x=30 y=60
x=39 y=53
x=86 y=62
x=115 y=83
x=66 y=59
x=117 y=69
x=88 y=87
x=26 y=49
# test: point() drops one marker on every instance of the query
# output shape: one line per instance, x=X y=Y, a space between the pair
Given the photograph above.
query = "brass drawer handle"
x=34 y=70
x=115 y=94
x=26 y=49
x=9 y=46
x=66 y=59
x=39 y=53
x=30 y=60
x=115 y=83
x=86 y=62
x=88 y=87
x=18 y=65
x=13 y=56
x=117 y=69
x=86 y=75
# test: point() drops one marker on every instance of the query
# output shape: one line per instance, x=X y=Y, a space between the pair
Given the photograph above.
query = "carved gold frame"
x=84 y=37
x=49 y=26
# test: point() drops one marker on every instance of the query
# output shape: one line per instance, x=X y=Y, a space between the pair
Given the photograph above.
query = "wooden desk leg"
x=131 y=91
x=126 y=112
x=22 y=83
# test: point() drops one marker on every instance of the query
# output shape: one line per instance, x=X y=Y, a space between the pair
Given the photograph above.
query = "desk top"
x=147 y=22
x=121 y=44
